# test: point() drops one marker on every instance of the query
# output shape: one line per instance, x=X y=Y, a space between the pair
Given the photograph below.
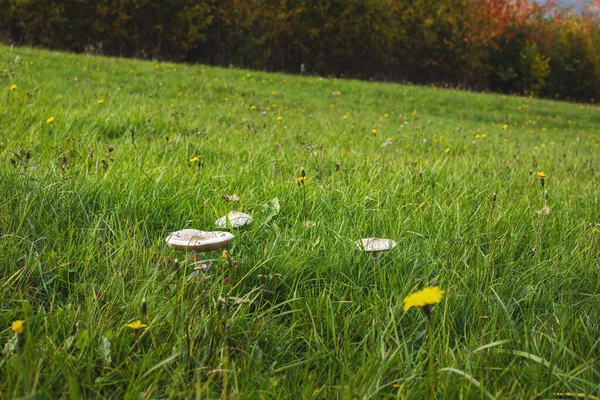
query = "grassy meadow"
x=95 y=172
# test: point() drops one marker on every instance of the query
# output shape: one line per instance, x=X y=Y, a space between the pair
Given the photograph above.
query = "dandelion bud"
x=144 y=307
x=546 y=194
x=302 y=172
x=494 y=198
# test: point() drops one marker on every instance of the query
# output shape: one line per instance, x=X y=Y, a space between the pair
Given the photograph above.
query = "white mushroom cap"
x=375 y=245
x=198 y=241
x=235 y=219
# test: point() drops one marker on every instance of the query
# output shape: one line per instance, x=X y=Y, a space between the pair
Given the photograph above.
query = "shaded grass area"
x=89 y=198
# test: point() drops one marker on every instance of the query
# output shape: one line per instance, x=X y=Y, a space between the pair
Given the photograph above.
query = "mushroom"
x=235 y=219
x=374 y=246
x=196 y=242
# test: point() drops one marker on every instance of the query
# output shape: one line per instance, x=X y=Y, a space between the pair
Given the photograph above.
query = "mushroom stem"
x=375 y=257
x=196 y=257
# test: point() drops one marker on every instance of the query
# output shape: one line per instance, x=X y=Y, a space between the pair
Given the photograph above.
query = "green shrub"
x=141 y=28
x=504 y=45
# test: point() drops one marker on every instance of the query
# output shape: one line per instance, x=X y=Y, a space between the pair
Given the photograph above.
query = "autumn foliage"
x=516 y=46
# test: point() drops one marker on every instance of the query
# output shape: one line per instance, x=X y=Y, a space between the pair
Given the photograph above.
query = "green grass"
x=88 y=200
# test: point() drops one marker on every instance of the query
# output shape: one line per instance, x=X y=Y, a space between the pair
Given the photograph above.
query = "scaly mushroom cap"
x=198 y=241
x=235 y=219
x=375 y=245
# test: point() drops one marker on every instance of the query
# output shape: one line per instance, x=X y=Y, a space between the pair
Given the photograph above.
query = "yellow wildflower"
x=17 y=326
x=100 y=101
x=279 y=118
x=13 y=87
x=374 y=131
x=423 y=298
x=197 y=158
x=136 y=325
x=252 y=108
x=447 y=150
x=541 y=175
x=50 y=120
x=300 y=180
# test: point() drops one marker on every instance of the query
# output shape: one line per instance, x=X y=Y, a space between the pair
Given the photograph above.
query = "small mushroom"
x=197 y=242
x=235 y=219
x=374 y=246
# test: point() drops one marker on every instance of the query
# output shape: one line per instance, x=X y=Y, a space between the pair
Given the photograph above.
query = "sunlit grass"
x=91 y=189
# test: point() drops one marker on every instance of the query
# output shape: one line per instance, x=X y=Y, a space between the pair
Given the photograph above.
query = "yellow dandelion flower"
x=541 y=175
x=385 y=115
x=194 y=159
x=424 y=298
x=279 y=118
x=100 y=101
x=17 y=326
x=50 y=120
x=447 y=150
x=346 y=116
x=136 y=325
x=13 y=87
x=374 y=131
x=300 y=180
x=252 y=108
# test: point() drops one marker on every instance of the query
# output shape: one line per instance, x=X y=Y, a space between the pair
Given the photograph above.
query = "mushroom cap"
x=375 y=245
x=198 y=241
x=235 y=219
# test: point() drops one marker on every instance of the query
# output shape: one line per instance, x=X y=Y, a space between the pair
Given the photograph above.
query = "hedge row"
x=503 y=45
